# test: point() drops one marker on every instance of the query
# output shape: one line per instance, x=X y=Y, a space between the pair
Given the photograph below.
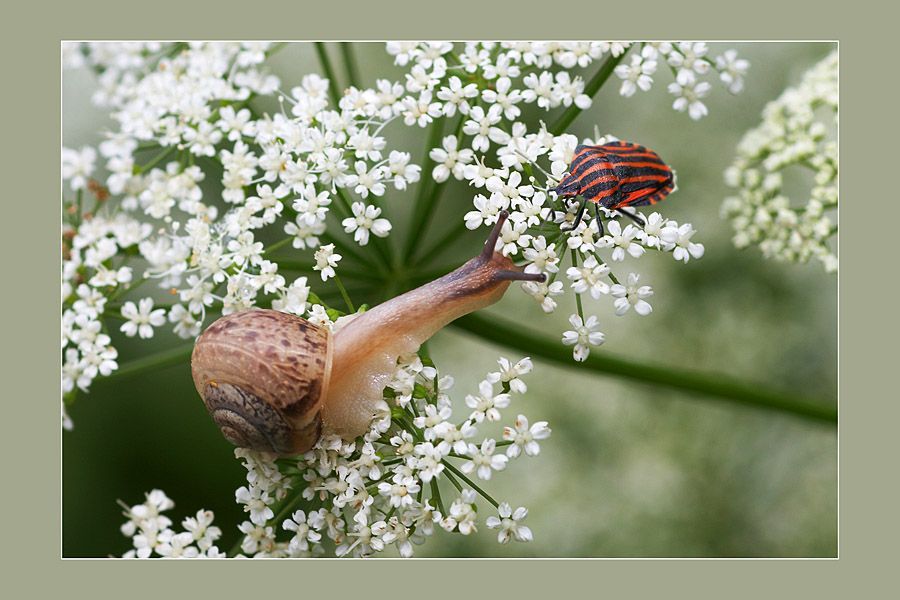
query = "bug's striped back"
x=617 y=174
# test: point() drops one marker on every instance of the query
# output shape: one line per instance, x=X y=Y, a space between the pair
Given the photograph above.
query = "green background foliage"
x=631 y=469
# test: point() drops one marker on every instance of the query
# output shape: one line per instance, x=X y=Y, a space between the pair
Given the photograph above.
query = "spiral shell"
x=263 y=376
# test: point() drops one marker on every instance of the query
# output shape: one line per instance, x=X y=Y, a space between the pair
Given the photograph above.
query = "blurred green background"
x=630 y=470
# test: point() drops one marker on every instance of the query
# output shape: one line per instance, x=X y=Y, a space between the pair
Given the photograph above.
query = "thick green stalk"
x=350 y=64
x=590 y=89
x=155 y=160
x=429 y=192
x=714 y=385
x=346 y=249
x=503 y=332
x=160 y=360
x=458 y=229
x=333 y=90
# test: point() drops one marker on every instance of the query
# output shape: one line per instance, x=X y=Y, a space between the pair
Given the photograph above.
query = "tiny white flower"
x=588 y=277
x=462 y=515
x=487 y=213
x=400 y=491
x=621 y=241
x=509 y=524
x=483 y=460
x=524 y=437
x=141 y=319
x=637 y=75
x=366 y=181
x=543 y=292
x=510 y=373
x=732 y=70
x=583 y=336
x=481 y=125
x=77 y=166
x=485 y=405
x=678 y=240
x=326 y=261
x=304 y=529
x=364 y=220
x=688 y=97
x=449 y=159
x=256 y=501
x=632 y=295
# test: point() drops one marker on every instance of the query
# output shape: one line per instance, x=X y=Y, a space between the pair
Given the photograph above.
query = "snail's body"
x=366 y=349
x=312 y=381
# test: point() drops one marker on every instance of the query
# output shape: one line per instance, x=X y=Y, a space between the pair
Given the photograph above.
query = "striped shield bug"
x=615 y=175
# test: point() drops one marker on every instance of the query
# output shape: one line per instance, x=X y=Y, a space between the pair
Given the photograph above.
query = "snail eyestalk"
x=366 y=349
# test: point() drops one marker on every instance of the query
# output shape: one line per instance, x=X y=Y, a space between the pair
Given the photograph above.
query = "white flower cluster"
x=89 y=281
x=485 y=83
x=185 y=107
x=798 y=133
x=689 y=62
x=151 y=531
x=386 y=489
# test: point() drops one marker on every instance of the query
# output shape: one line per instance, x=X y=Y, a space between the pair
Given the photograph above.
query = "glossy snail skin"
x=275 y=382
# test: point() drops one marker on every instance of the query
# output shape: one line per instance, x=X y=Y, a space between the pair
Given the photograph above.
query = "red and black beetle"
x=615 y=175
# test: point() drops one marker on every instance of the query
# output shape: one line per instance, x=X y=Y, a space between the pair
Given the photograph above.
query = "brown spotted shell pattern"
x=263 y=375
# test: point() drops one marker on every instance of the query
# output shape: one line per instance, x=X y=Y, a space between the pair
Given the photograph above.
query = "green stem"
x=436 y=494
x=455 y=483
x=333 y=91
x=79 y=208
x=471 y=483
x=429 y=191
x=721 y=387
x=350 y=64
x=346 y=250
x=443 y=243
x=344 y=294
x=155 y=160
x=160 y=360
x=590 y=89
x=577 y=296
x=268 y=251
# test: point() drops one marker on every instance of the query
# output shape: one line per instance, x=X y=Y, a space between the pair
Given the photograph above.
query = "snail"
x=274 y=382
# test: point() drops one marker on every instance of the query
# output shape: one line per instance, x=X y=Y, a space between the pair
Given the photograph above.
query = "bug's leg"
x=634 y=217
x=599 y=218
x=578 y=217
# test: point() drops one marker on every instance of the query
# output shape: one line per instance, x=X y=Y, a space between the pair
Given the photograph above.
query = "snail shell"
x=263 y=376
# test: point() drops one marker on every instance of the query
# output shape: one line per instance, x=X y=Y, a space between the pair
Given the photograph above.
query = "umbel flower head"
x=381 y=492
x=797 y=139
x=169 y=220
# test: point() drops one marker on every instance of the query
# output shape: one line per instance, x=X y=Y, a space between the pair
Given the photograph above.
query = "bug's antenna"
x=639 y=219
x=578 y=217
x=539 y=167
